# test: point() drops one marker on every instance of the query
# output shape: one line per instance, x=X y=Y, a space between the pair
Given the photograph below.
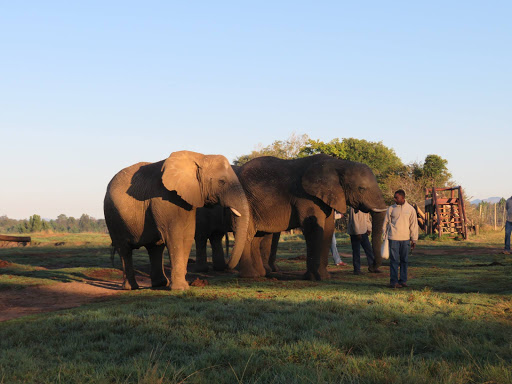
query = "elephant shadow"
x=142 y=187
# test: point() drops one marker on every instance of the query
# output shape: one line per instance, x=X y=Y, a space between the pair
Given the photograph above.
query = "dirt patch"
x=199 y=283
x=49 y=298
x=106 y=274
x=454 y=251
x=54 y=297
x=493 y=264
x=4 y=264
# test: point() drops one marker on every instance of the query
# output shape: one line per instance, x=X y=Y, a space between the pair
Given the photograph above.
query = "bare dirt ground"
x=53 y=297
x=103 y=284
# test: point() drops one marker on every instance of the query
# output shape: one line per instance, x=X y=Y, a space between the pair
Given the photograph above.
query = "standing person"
x=508 y=226
x=401 y=226
x=334 y=250
x=359 y=228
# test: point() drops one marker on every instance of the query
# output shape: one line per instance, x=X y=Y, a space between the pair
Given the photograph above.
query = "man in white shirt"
x=508 y=226
x=359 y=228
x=401 y=227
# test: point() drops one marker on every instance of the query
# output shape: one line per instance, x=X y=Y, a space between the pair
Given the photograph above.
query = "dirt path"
x=53 y=297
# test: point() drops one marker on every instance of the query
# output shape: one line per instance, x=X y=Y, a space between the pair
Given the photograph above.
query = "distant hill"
x=491 y=200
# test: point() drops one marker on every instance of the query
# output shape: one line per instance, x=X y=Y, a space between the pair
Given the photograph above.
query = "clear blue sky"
x=89 y=88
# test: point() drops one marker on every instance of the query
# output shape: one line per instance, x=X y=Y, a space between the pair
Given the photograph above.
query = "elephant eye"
x=222 y=182
x=362 y=189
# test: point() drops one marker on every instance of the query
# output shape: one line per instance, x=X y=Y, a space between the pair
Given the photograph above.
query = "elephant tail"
x=112 y=254
x=227 y=244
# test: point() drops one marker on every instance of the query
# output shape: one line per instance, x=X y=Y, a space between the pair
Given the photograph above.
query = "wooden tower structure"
x=445 y=212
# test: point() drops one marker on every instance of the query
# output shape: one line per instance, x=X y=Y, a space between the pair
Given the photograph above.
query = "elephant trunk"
x=377 y=222
x=240 y=208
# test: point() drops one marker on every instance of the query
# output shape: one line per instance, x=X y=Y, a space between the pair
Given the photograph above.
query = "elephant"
x=212 y=223
x=153 y=205
x=304 y=192
x=267 y=248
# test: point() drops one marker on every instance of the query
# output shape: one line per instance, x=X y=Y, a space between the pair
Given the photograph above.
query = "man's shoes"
x=358 y=273
x=374 y=270
x=404 y=285
x=505 y=252
x=341 y=263
x=394 y=286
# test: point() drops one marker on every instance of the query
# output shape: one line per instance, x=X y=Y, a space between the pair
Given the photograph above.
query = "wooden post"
x=495 y=215
x=463 y=216
x=439 y=222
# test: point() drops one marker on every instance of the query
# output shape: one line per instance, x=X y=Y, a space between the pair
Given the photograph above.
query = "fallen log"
x=19 y=239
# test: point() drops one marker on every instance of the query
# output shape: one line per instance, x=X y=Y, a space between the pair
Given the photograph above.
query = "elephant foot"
x=313 y=276
x=201 y=268
x=249 y=274
x=180 y=286
x=160 y=284
x=324 y=274
x=261 y=270
x=219 y=267
x=130 y=287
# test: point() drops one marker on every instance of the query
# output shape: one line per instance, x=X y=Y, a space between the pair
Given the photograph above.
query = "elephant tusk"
x=379 y=210
x=235 y=211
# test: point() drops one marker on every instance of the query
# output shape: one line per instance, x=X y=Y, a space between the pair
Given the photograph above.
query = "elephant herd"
x=155 y=205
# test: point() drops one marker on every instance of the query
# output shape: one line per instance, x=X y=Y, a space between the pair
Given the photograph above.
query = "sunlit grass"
x=452 y=326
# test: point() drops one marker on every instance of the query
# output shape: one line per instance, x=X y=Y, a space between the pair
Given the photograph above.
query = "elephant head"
x=209 y=179
x=340 y=182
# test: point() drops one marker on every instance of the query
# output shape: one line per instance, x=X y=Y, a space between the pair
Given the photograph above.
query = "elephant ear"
x=181 y=173
x=322 y=180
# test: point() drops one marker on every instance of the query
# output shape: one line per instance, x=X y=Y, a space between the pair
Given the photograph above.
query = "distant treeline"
x=63 y=223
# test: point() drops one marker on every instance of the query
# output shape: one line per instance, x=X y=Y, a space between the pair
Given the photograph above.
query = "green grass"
x=452 y=326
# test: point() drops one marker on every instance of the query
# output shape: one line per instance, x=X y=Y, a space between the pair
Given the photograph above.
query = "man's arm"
x=368 y=224
x=385 y=223
x=413 y=227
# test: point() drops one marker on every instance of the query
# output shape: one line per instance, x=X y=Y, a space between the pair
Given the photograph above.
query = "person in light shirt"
x=401 y=227
x=508 y=226
x=359 y=228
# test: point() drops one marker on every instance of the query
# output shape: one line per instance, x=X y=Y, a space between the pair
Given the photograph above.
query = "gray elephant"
x=287 y=194
x=265 y=247
x=213 y=224
x=153 y=205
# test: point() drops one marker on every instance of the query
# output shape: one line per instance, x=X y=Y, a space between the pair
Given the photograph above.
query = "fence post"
x=495 y=215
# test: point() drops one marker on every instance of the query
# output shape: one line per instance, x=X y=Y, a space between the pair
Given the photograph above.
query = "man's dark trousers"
x=357 y=241
x=508 y=230
x=398 y=255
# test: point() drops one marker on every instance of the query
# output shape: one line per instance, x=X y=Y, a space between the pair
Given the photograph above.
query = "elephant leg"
x=326 y=247
x=129 y=282
x=265 y=251
x=246 y=265
x=273 y=252
x=257 y=262
x=156 y=258
x=315 y=238
x=219 y=263
x=179 y=246
x=201 y=262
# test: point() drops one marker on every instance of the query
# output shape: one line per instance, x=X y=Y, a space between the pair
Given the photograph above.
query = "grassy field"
x=453 y=325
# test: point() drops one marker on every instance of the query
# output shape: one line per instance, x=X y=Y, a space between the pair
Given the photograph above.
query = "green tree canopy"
x=283 y=149
x=382 y=160
x=433 y=171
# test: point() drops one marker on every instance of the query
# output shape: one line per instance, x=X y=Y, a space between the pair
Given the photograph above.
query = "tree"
x=287 y=149
x=85 y=224
x=35 y=223
x=433 y=171
x=382 y=160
